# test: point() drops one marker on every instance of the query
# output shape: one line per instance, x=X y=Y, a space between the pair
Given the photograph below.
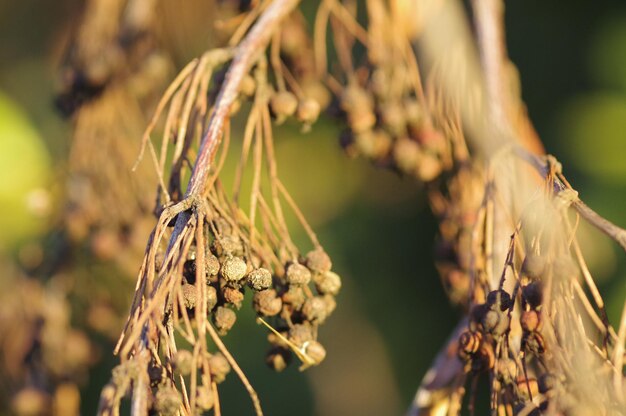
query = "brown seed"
x=190 y=295
x=234 y=269
x=496 y=322
x=233 y=296
x=429 y=167
x=301 y=333
x=267 y=303
x=318 y=261
x=315 y=351
x=530 y=321
x=167 y=401
x=211 y=265
x=283 y=104
x=407 y=154
x=183 y=361
x=532 y=294
x=298 y=275
x=30 y=402
x=308 y=111
x=224 y=319
x=278 y=358
x=328 y=283
x=260 y=279
x=361 y=119
x=315 y=310
x=218 y=367
x=317 y=91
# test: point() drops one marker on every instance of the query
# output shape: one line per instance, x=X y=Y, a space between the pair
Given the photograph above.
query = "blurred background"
x=393 y=315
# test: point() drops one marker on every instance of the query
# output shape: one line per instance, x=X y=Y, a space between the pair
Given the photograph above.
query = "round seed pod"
x=211 y=265
x=278 y=359
x=211 y=298
x=308 y=111
x=224 y=319
x=496 y=322
x=204 y=398
x=315 y=351
x=283 y=104
x=301 y=333
x=298 y=275
x=267 y=303
x=327 y=283
x=499 y=298
x=429 y=167
x=317 y=91
x=167 y=401
x=30 y=401
x=190 y=295
x=318 y=261
x=532 y=294
x=227 y=244
x=260 y=279
x=530 y=321
x=407 y=154
x=331 y=304
x=314 y=309
x=233 y=296
x=361 y=119
x=233 y=269
x=354 y=97
x=183 y=361
x=469 y=342
x=294 y=297
x=533 y=266
x=218 y=367
x=248 y=85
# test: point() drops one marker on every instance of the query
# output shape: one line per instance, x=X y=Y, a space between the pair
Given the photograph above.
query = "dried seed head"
x=318 y=261
x=204 y=398
x=283 y=104
x=294 y=296
x=190 y=295
x=532 y=294
x=167 y=401
x=361 y=119
x=248 y=85
x=301 y=333
x=533 y=266
x=315 y=351
x=278 y=358
x=407 y=154
x=218 y=367
x=267 y=303
x=211 y=265
x=331 y=304
x=308 y=111
x=227 y=244
x=328 y=283
x=429 y=167
x=298 y=275
x=499 y=298
x=224 y=319
x=315 y=310
x=211 y=298
x=317 y=91
x=496 y=322
x=234 y=269
x=233 y=296
x=260 y=279
x=469 y=342
x=183 y=361
x=530 y=321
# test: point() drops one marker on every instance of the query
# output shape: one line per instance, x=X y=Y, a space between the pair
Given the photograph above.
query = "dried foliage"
x=534 y=323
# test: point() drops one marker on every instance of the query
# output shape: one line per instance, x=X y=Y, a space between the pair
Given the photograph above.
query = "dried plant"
x=508 y=253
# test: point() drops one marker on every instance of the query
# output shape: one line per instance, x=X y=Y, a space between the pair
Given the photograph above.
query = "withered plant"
x=418 y=90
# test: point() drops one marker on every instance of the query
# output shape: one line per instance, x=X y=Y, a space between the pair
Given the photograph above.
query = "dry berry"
x=278 y=358
x=260 y=279
x=204 y=398
x=308 y=111
x=530 y=321
x=233 y=296
x=301 y=333
x=318 y=261
x=218 y=367
x=429 y=167
x=183 y=361
x=234 y=269
x=298 y=275
x=267 y=303
x=407 y=154
x=190 y=295
x=315 y=351
x=211 y=265
x=315 y=310
x=167 y=401
x=283 y=104
x=227 y=244
x=532 y=294
x=224 y=319
x=331 y=304
x=328 y=283
x=361 y=119
x=496 y=322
